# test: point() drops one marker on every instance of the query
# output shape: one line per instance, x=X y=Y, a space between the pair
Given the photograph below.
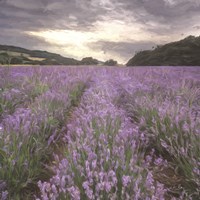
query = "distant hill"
x=17 y=55
x=185 y=52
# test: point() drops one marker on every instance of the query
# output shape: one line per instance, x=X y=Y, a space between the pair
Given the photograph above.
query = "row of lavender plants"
x=102 y=159
x=28 y=136
x=166 y=109
x=19 y=88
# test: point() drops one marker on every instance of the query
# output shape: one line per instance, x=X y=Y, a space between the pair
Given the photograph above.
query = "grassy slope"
x=181 y=53
x=19 y=55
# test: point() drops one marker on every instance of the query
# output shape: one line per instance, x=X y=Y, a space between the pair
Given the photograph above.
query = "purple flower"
x=107 y=186
x=126 y=180
x=54 y=190
x=74 y=193
x=158 y=161
x=4 y=195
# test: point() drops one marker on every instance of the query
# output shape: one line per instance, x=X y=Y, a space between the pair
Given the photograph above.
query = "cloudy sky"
x=102 y=29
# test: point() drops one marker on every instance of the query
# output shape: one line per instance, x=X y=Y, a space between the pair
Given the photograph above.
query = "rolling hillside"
x=16 y=55
x=185 y=52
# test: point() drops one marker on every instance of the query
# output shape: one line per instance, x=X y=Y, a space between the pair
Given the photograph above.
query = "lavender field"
x=99 y=133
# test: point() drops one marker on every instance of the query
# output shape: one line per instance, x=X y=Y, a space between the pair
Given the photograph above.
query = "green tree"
x=89 y=61
x=110 y=62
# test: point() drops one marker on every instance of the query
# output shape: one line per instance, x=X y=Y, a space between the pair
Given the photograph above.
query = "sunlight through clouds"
x=76 y=43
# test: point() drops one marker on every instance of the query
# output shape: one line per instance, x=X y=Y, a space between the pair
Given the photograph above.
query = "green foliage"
x=5 y=58
x=16 y=61
x=110 y=62
x=89 y=61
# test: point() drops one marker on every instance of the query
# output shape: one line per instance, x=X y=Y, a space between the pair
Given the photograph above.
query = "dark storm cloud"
x=160 y=10
x=174 y=14
x=14 y=37
x=81 y=14
x=50 y=14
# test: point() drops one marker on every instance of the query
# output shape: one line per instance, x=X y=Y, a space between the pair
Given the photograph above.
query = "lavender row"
x=102 y=158
x=168 y=118
x=24 y=84
x=19 y=89
x=32 y=130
